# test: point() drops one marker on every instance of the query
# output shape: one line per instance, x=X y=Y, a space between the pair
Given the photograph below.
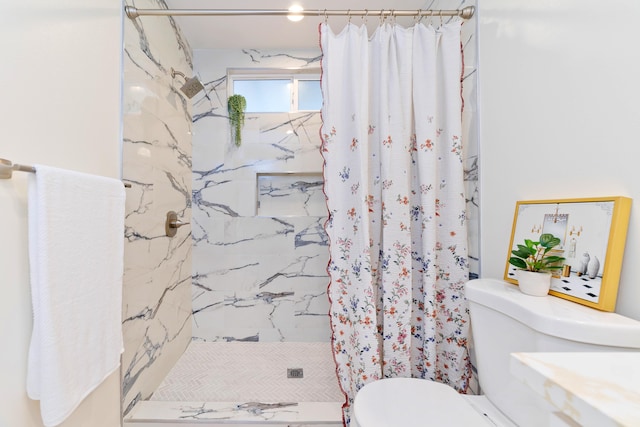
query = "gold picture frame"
x=592 y=233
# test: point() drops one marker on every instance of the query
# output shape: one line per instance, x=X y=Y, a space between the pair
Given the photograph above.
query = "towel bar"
x=7 y=168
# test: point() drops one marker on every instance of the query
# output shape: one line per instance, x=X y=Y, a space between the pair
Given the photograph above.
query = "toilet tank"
x=505 y=321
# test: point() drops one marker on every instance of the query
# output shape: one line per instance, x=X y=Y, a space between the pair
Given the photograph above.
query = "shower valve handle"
x=177 y=223
x=172 y=224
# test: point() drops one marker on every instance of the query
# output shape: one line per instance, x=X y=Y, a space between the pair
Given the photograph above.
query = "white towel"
x=76 y=248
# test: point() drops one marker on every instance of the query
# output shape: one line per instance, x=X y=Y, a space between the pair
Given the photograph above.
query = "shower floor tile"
x=245 y=384
x=252 y=372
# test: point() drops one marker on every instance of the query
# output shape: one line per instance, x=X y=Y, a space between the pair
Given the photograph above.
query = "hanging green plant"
x=236 y=105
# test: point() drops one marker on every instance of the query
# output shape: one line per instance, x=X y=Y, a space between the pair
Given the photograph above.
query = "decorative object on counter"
x=601 y=224
x=572 y=248
x=534 y=256
x=593 y=267
x=534 y=283
x=534 y=263
x=584 y=262
x=236 y=105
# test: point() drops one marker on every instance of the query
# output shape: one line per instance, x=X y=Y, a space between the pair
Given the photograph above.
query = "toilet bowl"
x=504 y=321
x=412 y=402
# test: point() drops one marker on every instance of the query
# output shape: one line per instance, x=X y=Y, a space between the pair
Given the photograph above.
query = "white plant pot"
x=534 y=283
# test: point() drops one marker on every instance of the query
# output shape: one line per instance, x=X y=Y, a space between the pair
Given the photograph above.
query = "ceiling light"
x=295 y=14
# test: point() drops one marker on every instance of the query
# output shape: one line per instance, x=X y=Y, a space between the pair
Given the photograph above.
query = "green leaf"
x=530 y=243
x=236 y=105
x=518 y=262
x=527 y=250
x=535 y=266
x=521 y=253
x=549 y=240
x=553 y=259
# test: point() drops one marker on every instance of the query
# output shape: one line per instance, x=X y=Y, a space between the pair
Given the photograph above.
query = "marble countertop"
x=594 y=389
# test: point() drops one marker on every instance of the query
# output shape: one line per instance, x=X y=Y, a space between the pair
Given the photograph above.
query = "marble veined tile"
x=247 y=382
x=260 y=251
x=290 y=194
x=593 y=389
x=157 y=124
x=241 y=414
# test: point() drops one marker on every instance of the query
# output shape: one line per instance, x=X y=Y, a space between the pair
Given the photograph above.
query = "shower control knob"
x=172 y=224
x=177 y=223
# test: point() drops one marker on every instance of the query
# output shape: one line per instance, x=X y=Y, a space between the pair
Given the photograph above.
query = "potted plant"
x=236 y=105
x=535 y=264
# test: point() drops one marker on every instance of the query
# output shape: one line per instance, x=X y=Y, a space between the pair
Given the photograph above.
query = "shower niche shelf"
x=290 y=194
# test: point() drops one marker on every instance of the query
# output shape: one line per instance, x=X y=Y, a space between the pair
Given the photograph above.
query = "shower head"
x=191 y=85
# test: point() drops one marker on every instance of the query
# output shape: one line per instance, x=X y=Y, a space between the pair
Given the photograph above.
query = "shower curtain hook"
x=349 y=15
x=366 y=16
x=440 y=17
x=417 y=17
x=382 y=16
x=326 y=17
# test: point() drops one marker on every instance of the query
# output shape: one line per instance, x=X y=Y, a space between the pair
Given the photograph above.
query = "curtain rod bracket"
x=468 y=12
x=132 y=12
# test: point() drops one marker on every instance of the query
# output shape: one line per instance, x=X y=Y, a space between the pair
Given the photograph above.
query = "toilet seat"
x=413 y=402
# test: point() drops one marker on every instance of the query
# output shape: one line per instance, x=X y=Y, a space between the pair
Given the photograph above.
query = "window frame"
x=294 y=75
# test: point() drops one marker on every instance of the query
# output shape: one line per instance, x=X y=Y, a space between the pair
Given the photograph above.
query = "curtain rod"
x=133 y=12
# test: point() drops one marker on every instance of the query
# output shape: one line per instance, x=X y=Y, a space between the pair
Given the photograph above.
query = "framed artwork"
x=592 y=233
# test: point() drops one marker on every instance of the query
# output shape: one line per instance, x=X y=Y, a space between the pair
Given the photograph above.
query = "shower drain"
x=294 y=373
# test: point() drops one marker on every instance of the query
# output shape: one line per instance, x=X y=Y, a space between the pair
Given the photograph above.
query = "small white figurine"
x=593 y=267
x=584 y=262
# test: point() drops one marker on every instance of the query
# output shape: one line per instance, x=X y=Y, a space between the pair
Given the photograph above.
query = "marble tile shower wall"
x=470 y=131
x=258 y=274
x=157 y=162
x=261 y=276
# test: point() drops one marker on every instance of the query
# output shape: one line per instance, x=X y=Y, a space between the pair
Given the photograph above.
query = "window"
x=309 y=95
x=277 y=91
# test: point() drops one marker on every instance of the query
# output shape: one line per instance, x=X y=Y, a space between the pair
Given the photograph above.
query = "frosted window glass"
x=265 y=96
x=309 y=95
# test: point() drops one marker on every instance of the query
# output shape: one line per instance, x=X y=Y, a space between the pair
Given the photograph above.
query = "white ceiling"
x=263 y=32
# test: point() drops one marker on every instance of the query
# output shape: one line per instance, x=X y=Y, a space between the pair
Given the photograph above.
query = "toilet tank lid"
x=556 y=316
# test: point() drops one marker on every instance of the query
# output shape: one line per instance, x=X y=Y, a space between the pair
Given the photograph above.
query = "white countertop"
x=594 y=389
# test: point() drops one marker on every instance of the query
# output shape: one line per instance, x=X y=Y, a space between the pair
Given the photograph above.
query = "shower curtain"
x=393 y=176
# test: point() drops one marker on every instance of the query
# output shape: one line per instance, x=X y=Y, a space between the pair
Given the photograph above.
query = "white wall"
x=60 y=105
x=559 y=115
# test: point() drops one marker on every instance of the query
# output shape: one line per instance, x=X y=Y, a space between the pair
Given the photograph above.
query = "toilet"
x=504 y=321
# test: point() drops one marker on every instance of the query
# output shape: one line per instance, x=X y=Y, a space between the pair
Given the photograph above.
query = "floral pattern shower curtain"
x=394 y=185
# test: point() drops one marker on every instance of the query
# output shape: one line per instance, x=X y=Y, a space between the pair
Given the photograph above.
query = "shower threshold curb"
x=237 y=414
